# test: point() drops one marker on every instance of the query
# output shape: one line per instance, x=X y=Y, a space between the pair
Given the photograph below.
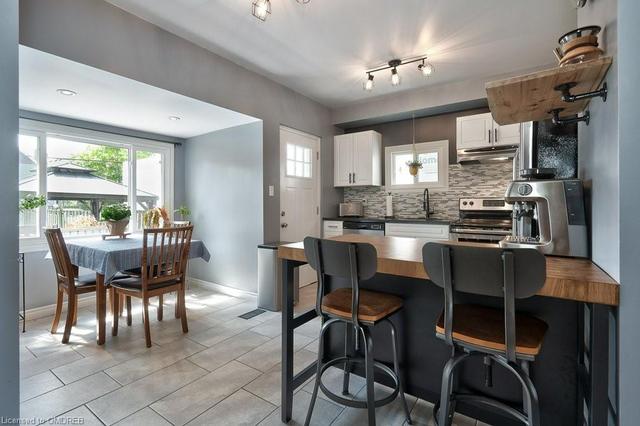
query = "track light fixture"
x=261 y=9
x=424 y=67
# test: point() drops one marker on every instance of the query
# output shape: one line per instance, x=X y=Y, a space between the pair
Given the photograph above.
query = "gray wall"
x=9 y=384
x=599 y=147
x=98 y=34
x=629 y=136
x=224 y=181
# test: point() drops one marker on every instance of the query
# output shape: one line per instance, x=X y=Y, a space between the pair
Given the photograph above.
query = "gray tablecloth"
x=109 y=256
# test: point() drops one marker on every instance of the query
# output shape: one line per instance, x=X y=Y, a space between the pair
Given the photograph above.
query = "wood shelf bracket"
x=555 y=117
x=565 y=89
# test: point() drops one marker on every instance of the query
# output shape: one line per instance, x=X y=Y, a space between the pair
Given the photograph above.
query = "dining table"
x=107 y=257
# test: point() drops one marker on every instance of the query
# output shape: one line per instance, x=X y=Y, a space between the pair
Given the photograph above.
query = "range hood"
x=486 y=155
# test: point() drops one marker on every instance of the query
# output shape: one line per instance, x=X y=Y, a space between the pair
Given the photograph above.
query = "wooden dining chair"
x=68 y=282
x=165 y=254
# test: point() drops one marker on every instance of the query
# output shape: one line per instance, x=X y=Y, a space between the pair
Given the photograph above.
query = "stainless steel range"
x=482 y=220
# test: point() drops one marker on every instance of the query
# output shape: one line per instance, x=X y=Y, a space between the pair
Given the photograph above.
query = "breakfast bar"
x=572 y=373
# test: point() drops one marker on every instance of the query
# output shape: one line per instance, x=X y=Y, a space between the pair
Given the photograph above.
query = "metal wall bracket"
x=565 y=89
x=557 y=120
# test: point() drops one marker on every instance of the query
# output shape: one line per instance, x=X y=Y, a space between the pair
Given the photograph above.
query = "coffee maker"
x=548 y=215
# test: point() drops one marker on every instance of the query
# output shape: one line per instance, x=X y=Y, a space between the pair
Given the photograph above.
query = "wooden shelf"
x=530 y=97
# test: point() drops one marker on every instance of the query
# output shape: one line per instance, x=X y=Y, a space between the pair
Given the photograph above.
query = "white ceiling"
x=114 y=100
x=323 y=48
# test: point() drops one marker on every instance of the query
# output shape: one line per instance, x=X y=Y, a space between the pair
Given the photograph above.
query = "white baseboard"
x=221 y=288
x=49 y=310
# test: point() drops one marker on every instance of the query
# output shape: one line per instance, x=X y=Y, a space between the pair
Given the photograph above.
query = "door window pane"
x=298 y=161
x=28 y=183
x=149 y=183
x=82 y=178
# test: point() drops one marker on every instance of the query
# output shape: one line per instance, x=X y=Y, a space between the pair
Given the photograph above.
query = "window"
x=434 y=157
x=298 y=161
x=81 y=171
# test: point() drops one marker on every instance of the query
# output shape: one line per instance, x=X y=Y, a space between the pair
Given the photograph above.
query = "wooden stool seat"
x=373 y=307
x=482 y=326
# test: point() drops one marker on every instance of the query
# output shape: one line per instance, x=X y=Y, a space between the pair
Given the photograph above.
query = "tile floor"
x=225 y=371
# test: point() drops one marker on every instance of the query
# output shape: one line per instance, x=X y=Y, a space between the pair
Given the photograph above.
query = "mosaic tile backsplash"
x=473 y=180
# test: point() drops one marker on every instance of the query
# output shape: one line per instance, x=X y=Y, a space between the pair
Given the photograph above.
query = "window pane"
x=299 y=153
x=299 y=171
x=29 y=184
x=307 y=170
x=291 y=152
x=149 y=179
x=82 y=178
x=307 y=155
x=291 y=168
x=401 y=175
x=429 y=171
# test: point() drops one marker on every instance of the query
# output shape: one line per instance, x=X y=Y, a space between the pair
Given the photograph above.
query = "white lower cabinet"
x=331 y=228
x=417 y=230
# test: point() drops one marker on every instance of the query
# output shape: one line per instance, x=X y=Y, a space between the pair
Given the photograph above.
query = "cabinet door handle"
x=489 y=135
x=354 y=178
x=349 y=177
x=495 y=135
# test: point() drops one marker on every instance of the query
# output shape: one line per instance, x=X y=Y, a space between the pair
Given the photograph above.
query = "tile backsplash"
x=472 y=180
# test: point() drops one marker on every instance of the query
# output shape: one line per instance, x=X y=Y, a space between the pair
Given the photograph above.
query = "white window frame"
x=132 y=144
x=440 y=147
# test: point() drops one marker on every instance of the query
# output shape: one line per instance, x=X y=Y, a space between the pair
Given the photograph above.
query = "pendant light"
x=415 y=164
x=261 y=9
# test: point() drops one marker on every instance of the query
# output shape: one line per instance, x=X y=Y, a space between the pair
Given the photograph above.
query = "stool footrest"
x=354 y=403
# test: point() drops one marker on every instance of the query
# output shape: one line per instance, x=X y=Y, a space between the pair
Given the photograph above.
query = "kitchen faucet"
x=425 y=203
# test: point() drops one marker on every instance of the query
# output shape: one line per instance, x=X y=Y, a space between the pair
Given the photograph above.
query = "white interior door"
x=299 y=190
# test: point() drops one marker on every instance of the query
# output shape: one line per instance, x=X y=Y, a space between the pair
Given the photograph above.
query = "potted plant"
x=184 y=213
x=156 y=217
x=414 y=165
x=116 y=217
x=31 y=202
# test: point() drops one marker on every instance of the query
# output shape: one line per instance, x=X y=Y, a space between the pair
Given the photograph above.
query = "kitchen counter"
x=574 y=289
x=415 y=220
x=567 y=278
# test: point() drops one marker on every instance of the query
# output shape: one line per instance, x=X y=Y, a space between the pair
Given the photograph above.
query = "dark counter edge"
x=419 y=221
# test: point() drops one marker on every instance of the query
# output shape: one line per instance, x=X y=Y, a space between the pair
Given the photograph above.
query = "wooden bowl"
x=587 y=40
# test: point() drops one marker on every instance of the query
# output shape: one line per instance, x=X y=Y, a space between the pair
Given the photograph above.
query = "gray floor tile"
x=332 y=379
x=144 y=417
x=84 y=367
x=38 y=384
x=241 y=408
x=153 y=360
x=324 y=412
x=270 y=328
x=137 y=395
x=39 y=365
x=192 y=400
x=268 y=355
x=223 y=331
x=227 y=350
x=81 y=415
x=422 y=413
x=390 y=414
x=68 y=397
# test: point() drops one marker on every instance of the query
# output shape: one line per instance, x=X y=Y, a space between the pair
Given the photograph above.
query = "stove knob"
x=470 y=203
x=464 y=203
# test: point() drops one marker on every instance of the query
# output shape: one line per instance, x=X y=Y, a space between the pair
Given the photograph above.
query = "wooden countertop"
x=567 y=278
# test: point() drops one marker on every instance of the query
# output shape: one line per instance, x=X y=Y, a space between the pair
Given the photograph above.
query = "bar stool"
x=478 y=331
x=360 y=309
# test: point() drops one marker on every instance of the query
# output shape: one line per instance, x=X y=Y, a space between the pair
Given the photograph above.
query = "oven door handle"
x=479 y=232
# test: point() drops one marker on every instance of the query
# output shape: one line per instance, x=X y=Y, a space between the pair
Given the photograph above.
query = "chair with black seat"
x=358 y=309
x=68 y=282
x=501 y=336
x=165 y=254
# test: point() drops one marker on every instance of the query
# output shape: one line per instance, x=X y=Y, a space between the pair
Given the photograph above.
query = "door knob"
x=282 y=213
x=284 y=225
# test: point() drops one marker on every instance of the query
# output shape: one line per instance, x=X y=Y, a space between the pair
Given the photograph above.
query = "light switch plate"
x=272 y=190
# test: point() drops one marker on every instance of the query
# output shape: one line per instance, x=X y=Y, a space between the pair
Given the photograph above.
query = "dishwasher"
x=364 y=227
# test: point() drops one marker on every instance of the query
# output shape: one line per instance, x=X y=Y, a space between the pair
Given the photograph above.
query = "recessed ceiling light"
x=174 y=118
x=66 y=92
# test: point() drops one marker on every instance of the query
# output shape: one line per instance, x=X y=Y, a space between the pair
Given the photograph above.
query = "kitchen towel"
x=389 y=205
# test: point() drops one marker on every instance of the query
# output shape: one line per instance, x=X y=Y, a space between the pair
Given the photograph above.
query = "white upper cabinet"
x=480 y=131
x=358 y=159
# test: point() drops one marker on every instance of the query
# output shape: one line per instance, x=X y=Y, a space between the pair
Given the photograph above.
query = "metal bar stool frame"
x=529 y=271
x=362 y=264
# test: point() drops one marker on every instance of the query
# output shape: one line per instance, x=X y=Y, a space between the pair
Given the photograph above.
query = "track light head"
x=425 y=68
x=368 y=84
x=395 y=77
x=261 y=9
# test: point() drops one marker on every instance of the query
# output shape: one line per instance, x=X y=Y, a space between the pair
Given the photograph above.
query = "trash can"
x=270 y=277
